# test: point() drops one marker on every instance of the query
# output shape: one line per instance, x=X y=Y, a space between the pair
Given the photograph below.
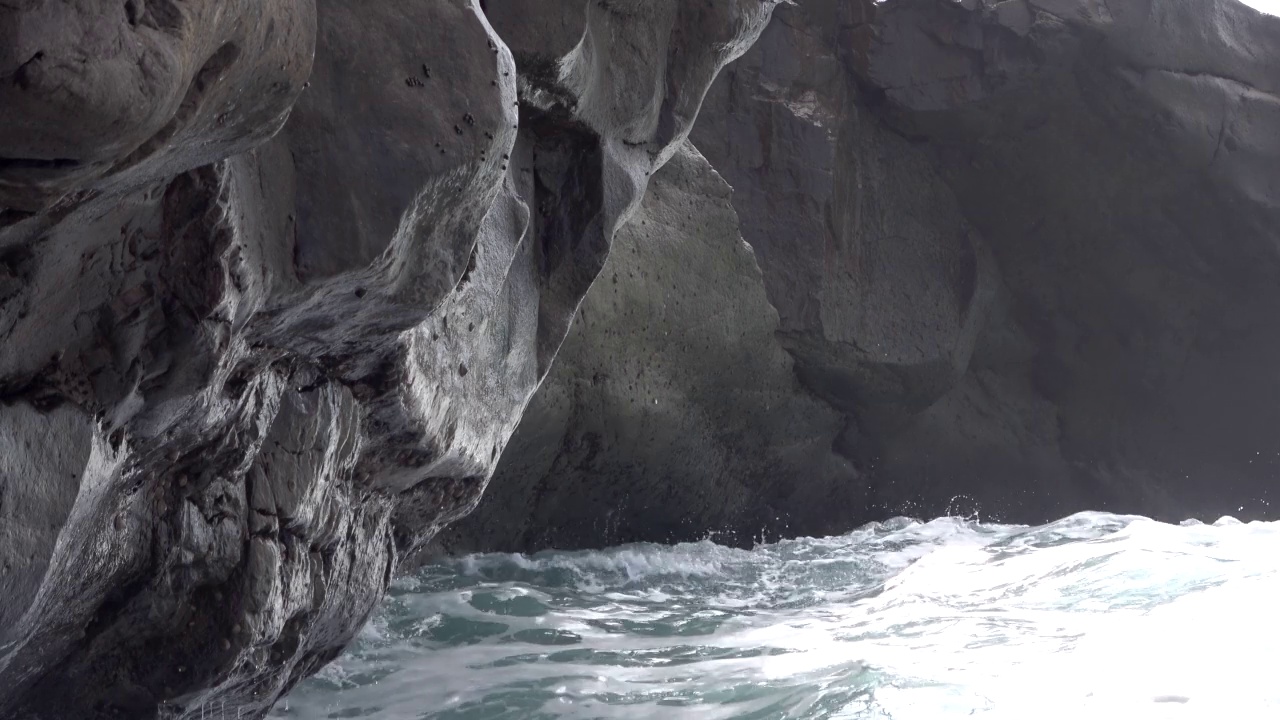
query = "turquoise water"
x=1095 y=616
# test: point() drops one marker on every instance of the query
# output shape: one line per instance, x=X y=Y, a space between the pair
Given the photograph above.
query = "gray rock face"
x=1025 y=251
x=276 y=284
x=280 y=282
x=672 y=409
x=1120 y=160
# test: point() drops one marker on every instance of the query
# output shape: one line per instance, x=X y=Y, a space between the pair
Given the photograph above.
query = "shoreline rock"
x=288 y=319
x=1025 y=249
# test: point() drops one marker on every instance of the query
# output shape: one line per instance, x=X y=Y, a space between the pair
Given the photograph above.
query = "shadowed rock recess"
x=285 y=286
x=1025 y=260
x=277 y=280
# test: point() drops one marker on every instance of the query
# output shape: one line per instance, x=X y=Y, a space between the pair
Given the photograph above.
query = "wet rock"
x=1128 y=369
x=279 y=284
x=1025 y=250
x=1013 y=243
x=239 y=307
x=672 y=410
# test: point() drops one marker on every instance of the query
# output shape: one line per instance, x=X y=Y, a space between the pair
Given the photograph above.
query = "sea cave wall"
x=1023 y=255
x=295 y=294
x=277 y=281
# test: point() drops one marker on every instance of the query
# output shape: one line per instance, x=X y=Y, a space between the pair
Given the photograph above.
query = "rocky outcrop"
x=276 y=283
x=1026 y=251
x=672 y=410
x=1120 y=161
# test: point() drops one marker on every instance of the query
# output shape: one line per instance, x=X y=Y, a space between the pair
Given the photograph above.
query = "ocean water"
x=1096 y=616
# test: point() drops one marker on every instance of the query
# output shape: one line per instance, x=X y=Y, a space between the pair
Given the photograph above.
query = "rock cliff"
x=276 y=283
x=1025 y=251
x=286 y=288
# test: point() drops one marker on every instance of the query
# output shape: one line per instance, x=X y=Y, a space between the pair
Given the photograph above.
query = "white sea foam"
x=1095 y=616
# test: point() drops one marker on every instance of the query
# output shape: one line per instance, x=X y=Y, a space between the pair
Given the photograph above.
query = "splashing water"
x=1096 y=616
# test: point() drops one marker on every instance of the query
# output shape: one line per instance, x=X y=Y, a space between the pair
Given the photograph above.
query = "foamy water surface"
x=1096 y=616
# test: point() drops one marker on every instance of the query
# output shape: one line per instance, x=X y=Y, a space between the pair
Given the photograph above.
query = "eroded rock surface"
x=276 y=283
x=1025 y=250
x=1120 y=160
x=672 y=410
